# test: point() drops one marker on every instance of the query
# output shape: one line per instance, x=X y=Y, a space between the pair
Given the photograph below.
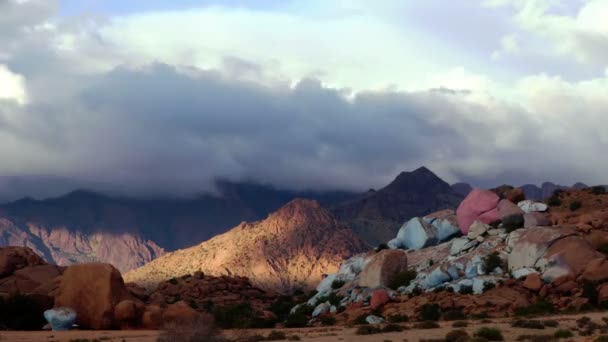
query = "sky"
x=153 y=97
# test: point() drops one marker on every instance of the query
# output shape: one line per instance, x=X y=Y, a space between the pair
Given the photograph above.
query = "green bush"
x=563 y=333
x=328 y=320
x=491 y=261
x=173 y=281
x=337 y=284
x=392 y=328
x=603 y=248
x=490 y=334
x=554 y=201
x=427 y=325
x=20 y=312
x=528 y=324
x=590 y=292
x=368 y=330
x=551 y=323
x=460 y=324
x=454 y=315
x=457 y=336
x=299 y=319
x=201 y=330
x=603 y=338
x=382 y=247
x=402 y=279
x=541 y=307
x=282 y=306
x=430 y=312
x=276 y=336
x=360 y=319
x=465 y=290
x=398 y=318
x=576 y=205
x=513 y=222
x=239 y=316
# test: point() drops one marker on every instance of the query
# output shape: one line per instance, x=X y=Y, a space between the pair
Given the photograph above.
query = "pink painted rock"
x=480 y=205
x=379 y=298
x=507 y=208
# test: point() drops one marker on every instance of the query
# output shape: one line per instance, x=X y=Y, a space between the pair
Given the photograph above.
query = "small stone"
x=371 y=319
x=480 y=239
x=477 y=229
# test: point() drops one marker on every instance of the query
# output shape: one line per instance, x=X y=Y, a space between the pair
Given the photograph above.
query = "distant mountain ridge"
x=291 y=249
x=84 y=226
x=377 y=215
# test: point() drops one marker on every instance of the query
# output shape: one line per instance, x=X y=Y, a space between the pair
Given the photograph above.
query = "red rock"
x=127 y=314
x=598 y=238
x=383 y=267
x=16 y=258
x=152 y=318
x=567 y=287
x=516 y=195
x=533 y=282
x=507 y=208
x=571 y=254
x=92 y=290
x=544 y=291
x=603 y=293
x=478 y=205
x=536 y=219
x=379 y=298
x=596 y=270
x=180 y=312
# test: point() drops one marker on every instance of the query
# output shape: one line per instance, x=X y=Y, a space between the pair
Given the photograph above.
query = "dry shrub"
x=202 y=329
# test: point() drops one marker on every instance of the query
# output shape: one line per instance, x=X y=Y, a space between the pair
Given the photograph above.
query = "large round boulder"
x=93 y=291
x=479 y=205
x=383 y=268
x=128 y=313
x=16 y=258
x=152 y=318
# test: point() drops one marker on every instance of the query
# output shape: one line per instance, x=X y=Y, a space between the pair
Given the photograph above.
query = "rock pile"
x=498 y=253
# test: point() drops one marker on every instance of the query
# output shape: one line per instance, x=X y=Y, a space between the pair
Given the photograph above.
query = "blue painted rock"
x=60 y=319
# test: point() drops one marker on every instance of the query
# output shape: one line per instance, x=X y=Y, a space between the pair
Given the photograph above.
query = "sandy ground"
x=317 y=334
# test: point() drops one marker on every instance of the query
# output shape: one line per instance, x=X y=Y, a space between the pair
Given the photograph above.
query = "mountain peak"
x=415 y=179
x=301 y=210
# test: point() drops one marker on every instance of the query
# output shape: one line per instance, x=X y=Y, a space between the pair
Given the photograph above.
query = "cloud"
x=128 y=105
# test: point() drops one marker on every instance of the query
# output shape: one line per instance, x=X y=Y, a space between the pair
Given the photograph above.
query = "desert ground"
x=323 y=334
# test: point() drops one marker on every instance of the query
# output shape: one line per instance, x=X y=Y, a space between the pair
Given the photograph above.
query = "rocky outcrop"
x=24 y=272
x=293 y=248
x=382 y=268
x=430 y=230
x=65 y=247
x=93 y=291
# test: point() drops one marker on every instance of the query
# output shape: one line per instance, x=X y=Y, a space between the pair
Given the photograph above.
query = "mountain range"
x=291 y=249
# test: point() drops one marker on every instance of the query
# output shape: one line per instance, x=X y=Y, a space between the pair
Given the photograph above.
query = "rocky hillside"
x=84 y=226
x=547 y=189
x=498 y=255
x=63 y=247
x=292 y=248
x=377 y=215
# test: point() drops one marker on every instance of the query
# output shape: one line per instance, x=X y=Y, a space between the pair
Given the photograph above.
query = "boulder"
x=567 y=256
x=321 y=309
x=477 y=229
x=92 y=290
x=596 y=270
x=379 y=298
x=527 y=246
x=531 y=206
x=180 y=312
x=516 y=195
x=127 y=314
x=371 y=319
x=536 y=219
x=16 y=258
x=436 y=278
x=603 y=293
x=458 y=245
x=445 y=223
x=478 y=205
x=417 y=234
x=507 y=208
x=533 y=282
x=383 y=267
x=60 y=319
x=598 y=238
x=152 y=318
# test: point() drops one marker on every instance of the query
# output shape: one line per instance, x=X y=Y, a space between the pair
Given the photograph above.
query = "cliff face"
x=64 y=247
x=292 y=248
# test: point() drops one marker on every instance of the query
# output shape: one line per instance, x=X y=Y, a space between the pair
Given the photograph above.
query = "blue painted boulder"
x=60 y=319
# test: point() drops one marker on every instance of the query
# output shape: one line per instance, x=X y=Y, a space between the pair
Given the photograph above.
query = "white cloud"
x=12 y=86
